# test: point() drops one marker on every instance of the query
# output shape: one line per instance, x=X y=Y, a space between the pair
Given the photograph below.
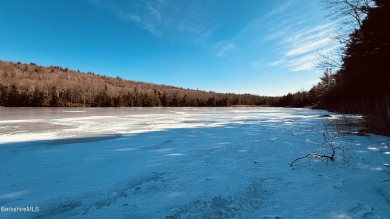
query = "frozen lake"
x=185 y=163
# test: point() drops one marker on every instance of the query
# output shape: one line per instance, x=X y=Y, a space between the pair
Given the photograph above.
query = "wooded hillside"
x=34 y=85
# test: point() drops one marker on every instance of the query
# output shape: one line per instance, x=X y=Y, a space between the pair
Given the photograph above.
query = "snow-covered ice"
x=185 y=163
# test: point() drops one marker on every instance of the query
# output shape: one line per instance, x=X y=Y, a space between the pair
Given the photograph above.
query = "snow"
x=186 y=163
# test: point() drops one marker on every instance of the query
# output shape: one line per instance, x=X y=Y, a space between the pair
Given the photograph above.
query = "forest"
x=25 y=85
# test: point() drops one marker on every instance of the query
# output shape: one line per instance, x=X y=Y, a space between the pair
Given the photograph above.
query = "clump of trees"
x=362 y=83
x=34 y=85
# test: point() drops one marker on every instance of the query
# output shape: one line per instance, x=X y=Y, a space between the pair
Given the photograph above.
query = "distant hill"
x=34 y=85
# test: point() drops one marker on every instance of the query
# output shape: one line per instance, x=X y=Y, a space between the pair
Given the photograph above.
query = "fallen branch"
x=328 y=145
x=318 y=156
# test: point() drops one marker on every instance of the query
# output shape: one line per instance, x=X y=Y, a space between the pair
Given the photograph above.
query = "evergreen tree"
x=3 y=95
x=13 y=96
x=364 y=73
x=53 y=97
x=37 y=98
x=362 y=85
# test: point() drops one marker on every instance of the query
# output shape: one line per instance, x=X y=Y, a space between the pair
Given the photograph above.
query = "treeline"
x=25 y=85
x=362 y=83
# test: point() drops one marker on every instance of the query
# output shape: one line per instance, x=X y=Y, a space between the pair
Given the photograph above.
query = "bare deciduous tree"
x=328 y=60
x=349 y=14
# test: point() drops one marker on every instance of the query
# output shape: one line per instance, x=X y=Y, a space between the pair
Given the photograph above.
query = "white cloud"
x=304 y=66
x=281 y=8
x=164 y=18
x=302 y=63
x=300 y=49
x=276 y=63
x=275 y=35
x=154 y=12
x=225 y=49
x=305 y=34
x=308 y=46
x=308 y=39
x=135 y=18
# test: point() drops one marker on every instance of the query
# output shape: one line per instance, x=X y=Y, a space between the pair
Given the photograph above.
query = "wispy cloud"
x=225 y=49
x=308 y=46
x=302 y=63
x=294 y=41
x=279 y=38
x=312 y=82
x=276 y=63
x=275 y=35
x=164 y=18
x=299 y=48
x=307 y=33
x=264 y=20
x=280 y=9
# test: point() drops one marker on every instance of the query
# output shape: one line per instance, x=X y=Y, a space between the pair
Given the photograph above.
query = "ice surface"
x=185 y=163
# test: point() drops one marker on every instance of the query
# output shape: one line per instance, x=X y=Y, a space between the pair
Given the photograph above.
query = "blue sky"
x=265 y=47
